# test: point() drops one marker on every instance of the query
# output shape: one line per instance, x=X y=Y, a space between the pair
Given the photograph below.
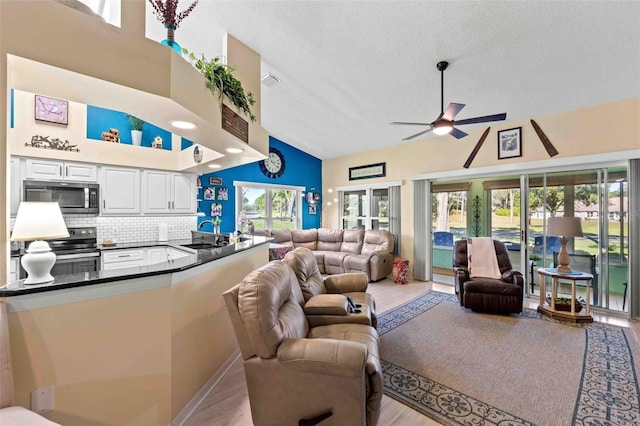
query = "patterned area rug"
x=465 y=368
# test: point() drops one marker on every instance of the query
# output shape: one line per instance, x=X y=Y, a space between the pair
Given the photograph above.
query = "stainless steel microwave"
x=73 y=197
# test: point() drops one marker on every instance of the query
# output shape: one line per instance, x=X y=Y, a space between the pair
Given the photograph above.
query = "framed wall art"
x=215 y=180
x=51 y=110
x=368 y=171
x=216 y=209
x=223 y=194
x=510 y=143
x=313 y=209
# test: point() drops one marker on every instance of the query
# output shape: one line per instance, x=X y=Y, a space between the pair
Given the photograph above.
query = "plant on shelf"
x=564 y=303
x=167 y=12
x=136 y=129
x=219 y=78
x=135 y=122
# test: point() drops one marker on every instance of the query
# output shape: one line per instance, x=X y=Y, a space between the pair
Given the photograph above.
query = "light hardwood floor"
x=228 y=402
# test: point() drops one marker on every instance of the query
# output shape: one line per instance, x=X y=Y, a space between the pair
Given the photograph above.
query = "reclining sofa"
x=298 y=374
x=338 y=250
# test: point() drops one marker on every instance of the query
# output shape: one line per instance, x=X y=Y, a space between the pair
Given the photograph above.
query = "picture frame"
x=51 y=110
x=313 y=209
x=209 y=194
x=216 y=209
x=215 y=181
x=368 y=171
x=510 y=143
x=223 y=194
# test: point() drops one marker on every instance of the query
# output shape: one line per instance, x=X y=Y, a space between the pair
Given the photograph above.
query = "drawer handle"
x=124 y=255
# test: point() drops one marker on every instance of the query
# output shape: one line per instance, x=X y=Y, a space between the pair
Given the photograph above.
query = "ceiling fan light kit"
x=445 y=123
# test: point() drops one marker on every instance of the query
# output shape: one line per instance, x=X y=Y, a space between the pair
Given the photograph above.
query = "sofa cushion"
x=319 y=254
x=352 y=241
x=377 y=240
x=268 y=308
x=305 y=238
x=356 y=263
x=305 y=268
x=330 y=239
x=334 y=262
x=282 y=236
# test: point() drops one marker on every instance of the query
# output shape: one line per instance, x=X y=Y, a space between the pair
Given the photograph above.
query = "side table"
x=549 y=309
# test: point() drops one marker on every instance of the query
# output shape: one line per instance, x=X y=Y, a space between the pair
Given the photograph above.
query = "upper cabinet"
x=39 y=169
x=168 y=192
x=119 y=190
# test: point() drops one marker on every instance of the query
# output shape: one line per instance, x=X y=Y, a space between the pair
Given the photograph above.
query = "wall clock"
x=197 y=154
x=273 y=165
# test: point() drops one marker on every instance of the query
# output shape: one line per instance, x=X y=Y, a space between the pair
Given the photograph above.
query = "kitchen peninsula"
x=130 y=346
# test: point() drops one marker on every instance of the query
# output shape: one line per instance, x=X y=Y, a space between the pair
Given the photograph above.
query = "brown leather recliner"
x=295 y=372
x=488 y=294
x=317 y=290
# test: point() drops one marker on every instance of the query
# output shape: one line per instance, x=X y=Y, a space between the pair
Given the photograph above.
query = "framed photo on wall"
x=223 y=194
x=312 y=209
x=216 y=209
x=510 y=143
x=51 y=110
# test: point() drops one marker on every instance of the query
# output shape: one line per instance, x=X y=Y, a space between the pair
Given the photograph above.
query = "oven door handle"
x=77 y=256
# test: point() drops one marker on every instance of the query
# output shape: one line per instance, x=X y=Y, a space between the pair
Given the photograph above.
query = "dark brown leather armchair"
x=487 y=294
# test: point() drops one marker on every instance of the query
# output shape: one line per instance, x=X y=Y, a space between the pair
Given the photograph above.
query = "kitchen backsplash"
x=125 y=229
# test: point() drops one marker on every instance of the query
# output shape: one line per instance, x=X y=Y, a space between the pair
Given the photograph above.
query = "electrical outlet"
x=42 y=400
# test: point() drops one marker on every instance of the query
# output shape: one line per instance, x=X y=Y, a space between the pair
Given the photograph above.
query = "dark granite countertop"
x=196 y=258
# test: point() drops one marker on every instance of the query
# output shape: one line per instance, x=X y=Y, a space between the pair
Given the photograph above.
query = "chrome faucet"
x=205 y=221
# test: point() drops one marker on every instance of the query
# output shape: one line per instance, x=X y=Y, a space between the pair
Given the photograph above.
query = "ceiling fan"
x=445 y=122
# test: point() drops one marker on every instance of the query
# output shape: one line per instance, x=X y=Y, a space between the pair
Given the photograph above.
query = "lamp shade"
x=564 y=227
x=39 y=221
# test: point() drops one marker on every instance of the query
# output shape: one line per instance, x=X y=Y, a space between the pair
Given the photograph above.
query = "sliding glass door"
x=598 y=197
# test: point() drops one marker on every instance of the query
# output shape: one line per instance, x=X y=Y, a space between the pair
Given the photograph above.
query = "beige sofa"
x=297 y=374
x=338 y=250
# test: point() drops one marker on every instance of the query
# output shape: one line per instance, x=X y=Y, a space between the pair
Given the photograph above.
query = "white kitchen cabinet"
x=15 y=188
x=155 y=255
x=174 y=254
x=39 y=169
x=168 y=192
x=125 y=258
x=119 y=190
x=13 y=269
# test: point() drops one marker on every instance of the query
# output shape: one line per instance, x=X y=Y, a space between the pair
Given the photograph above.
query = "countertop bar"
x=198 y=257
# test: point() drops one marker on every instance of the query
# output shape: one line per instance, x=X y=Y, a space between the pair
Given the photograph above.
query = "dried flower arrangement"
x=166 y=12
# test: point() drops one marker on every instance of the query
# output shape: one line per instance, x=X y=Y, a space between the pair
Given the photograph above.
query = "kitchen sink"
x=201 y=246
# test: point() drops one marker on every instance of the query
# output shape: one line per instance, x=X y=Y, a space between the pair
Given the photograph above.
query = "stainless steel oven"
x=73 y=197
x=75 y=254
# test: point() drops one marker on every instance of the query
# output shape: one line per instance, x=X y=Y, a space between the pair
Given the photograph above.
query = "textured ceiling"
x=348 y=68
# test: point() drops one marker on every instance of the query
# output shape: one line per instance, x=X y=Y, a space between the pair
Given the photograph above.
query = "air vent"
x=269 y=79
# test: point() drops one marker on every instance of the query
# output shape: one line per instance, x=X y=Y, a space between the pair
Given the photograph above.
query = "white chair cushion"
x=20 y=416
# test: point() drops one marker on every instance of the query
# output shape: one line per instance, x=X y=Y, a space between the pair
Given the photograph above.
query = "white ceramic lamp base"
x=38 y=263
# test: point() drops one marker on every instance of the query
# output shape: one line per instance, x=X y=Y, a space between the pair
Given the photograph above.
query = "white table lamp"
x=564 y=227
x=37 y=222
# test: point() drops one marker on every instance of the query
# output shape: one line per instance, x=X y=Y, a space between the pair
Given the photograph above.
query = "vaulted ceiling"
x=349 y=68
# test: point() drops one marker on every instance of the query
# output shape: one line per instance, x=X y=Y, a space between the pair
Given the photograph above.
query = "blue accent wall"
x=11 y=117
x=301 y=169
x=101 y=120
x=185 y=143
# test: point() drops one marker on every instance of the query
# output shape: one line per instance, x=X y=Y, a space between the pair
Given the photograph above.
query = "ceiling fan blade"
x=483 y=119
x=418 y=134
x=408 y=123
x=457 y=133
x=452 y=110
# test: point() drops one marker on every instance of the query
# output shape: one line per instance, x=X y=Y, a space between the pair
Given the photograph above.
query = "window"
x=269 y=206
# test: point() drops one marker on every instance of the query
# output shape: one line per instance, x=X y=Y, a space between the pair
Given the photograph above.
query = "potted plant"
x=219 y=78
x=136 y=129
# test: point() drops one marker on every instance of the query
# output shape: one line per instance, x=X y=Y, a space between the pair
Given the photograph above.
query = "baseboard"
x=191 y=406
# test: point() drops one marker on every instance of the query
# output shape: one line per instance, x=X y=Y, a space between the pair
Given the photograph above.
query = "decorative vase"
x=136 y=137
x=170 y=40
x=216 y=229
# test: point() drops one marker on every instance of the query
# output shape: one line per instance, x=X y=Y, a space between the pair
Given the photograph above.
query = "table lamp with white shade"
x=38 y=222
x=564 y=227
